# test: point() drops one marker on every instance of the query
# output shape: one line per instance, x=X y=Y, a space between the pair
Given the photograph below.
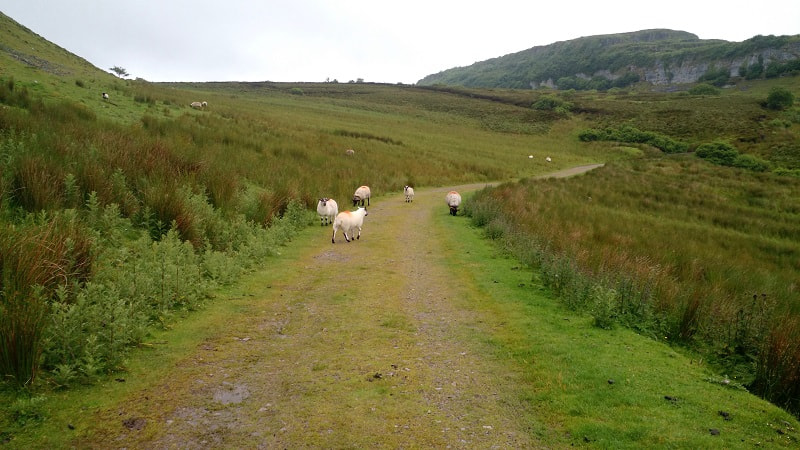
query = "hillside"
x=657 y=57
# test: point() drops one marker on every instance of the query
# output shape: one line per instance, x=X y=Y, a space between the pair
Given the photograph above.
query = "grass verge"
x=608 y=388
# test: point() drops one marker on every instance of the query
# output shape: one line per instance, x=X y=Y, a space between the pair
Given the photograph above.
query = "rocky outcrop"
x=692 y=71
x=658 y=57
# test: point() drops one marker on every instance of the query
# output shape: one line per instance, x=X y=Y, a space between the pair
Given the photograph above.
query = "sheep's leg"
x=359 y=233
x=333 y=238
x=345 y=236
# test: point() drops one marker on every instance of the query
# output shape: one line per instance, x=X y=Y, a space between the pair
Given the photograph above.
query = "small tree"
x=779 y=99
x=120 y=71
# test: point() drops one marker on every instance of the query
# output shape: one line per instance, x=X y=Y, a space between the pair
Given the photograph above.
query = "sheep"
x=453 y=199
x=105 y=96
x=361 y=194
x=409 y=192
x=198 y=105
x=349 y=152
x=348 y=221
x=327 y=208
x=548 y=159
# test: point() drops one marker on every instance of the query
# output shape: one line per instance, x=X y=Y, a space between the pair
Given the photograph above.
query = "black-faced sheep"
x=348 y=222
x=453 y=199
x=409 y=193
x=361 y=194
x=327 y=208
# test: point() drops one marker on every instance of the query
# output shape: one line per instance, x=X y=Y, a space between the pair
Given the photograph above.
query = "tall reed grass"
x=691 y=253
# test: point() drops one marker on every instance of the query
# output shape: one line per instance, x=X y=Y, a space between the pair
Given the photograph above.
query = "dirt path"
x=359 y=345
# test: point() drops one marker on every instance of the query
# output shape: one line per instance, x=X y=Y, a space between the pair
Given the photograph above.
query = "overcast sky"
x=378 y=41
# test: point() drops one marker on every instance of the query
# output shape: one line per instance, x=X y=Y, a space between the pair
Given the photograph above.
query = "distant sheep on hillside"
x=105 y=96
x=198 y=105
x=349 y=152
x=453 y=200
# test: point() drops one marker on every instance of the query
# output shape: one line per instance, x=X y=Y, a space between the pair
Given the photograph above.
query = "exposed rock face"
x=691 y=71
x=659 y=57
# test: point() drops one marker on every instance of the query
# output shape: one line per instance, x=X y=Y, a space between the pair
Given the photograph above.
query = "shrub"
x=550 y=103
x=717 y=76
x=718 y=152
x=788 y=172
x=633 y=135
x=751 y=162
x=779 y=99
x=604 y=307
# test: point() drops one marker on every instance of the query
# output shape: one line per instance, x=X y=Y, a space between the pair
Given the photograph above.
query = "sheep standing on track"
x=453 y=199
x=409 y=192
x=327 y=208
x=348 y=222
x=361 y=194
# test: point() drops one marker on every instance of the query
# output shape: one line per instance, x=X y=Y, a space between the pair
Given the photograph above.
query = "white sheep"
x=198 y=105
x=548 y=159
x=361 y=194
x=349 y=152
x=105 y=96
x=327 y=208
x=453 y=199
x=409 y=192
x=348 y=221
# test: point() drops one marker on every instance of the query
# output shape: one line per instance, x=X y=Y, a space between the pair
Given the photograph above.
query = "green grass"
x=684 y=245
x=128 y=170
x=566 y=364
x=557 y=362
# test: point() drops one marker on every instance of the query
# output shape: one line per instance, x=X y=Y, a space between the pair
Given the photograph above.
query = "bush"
x=717 y=76
x=718 y=152
x=633 y=135
x=751 y=162
x=779 y=99
x=550 y=103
